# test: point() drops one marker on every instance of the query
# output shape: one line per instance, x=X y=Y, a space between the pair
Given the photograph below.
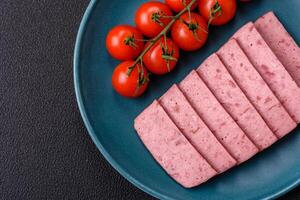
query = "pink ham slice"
x=256 y=89
x=217 y=78
x=216 y=118
x=270 y=68
x=170 y=148
x=281 y=42
x=191 y=125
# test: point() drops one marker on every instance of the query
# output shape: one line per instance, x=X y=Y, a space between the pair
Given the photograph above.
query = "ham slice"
x=270 y=68
x=170 y=148
x=281 y=43
x=192 y=126
x=217 y=78
x=216 y=118
x=256 y=89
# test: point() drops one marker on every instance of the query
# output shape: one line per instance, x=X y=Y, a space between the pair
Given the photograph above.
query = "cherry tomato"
x=124 y=42
x=190 y=33
x=152 y=17
x=179 y=5
x=162 y=56
x=217 y=12
x=131 y=84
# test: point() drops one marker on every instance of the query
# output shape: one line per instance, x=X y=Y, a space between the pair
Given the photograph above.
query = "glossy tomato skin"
x=144 y=21
x=228 y=10
x=128 y=85
x=177 y=5
x=154 y=60
x=116 y=46
x=184 y=37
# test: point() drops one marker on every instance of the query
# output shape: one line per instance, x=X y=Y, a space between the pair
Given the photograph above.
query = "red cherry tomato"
x=190 y=33
x=179 y=5
x=152 y=17
x=217 y=12
x=133 y=84
x=124 y=42
x=162 y=56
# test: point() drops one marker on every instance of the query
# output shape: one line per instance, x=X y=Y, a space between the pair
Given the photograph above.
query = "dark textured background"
x=45 y=151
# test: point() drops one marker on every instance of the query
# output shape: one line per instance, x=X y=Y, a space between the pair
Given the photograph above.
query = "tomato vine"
x=163 y=33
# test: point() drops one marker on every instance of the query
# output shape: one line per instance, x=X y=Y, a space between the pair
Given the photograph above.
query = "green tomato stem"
x=162 y=33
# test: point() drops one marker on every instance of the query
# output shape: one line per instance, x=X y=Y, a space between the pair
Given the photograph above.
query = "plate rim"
x=80 y=102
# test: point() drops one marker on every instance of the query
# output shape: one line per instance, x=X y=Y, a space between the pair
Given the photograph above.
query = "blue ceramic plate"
x=109 y=117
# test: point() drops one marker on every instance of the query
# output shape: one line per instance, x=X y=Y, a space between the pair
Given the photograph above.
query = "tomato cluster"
x=154 y=44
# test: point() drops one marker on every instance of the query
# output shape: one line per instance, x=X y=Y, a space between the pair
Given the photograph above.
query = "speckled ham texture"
x=270 y=68
x=195 y=130
x=170 y=148
x=256 y=89
x=223 y=86
x=217 y=119
x=281 y=42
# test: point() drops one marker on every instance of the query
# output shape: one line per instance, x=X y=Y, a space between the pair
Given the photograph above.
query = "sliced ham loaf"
x=270 y=68
x=281 y=42
x=218 y=79
x=217 y=119
x=256 y=89
x=238 y=102
x=170 y=148
x=195 y=130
